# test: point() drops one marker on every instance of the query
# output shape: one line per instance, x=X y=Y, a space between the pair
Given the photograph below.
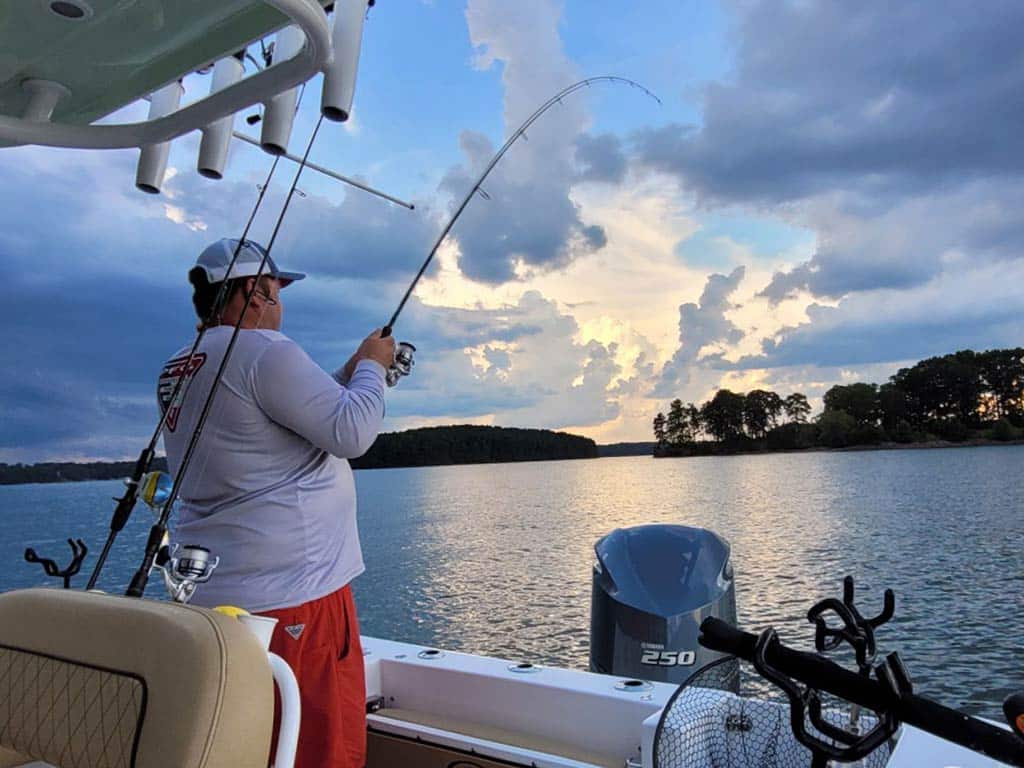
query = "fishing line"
x=126 y=504
x=519 y=133
x=156 y=534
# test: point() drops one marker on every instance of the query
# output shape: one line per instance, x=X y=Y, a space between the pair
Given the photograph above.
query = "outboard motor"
x=652 y=587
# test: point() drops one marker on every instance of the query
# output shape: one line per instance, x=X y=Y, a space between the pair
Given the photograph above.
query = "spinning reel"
x=403 y=364
x=184 y=568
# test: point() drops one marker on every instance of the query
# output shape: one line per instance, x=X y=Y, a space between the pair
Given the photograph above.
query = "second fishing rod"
x=157 y=533
x=404 y=351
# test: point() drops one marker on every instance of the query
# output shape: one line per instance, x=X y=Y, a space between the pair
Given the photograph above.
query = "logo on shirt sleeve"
x=175 y=370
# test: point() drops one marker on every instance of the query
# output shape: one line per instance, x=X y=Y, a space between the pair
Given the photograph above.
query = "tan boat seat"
x=97 y=681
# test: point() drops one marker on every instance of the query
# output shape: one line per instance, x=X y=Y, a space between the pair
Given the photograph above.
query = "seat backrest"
x=90 y=680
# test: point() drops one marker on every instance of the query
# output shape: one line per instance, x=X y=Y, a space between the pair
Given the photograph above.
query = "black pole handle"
x=819 y=672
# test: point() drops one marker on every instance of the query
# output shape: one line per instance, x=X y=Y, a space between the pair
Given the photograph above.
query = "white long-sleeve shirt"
x=269 y=489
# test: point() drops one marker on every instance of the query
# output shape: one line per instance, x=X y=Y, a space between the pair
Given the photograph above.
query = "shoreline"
x=887 y=446
x=922 y=445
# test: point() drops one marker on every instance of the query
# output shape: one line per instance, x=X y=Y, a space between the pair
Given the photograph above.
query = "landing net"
x=706 y=724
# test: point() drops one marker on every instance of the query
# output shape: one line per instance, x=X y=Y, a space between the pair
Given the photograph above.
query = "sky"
x=828 y=191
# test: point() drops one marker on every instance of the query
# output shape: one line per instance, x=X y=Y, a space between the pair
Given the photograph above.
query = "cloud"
x=909 y=243
x=81 y=380
x=702 y=325
x=521 y=361
x=519 y=224
x=891 y=99
x=892 y=135
x=601 y=157
x=530 y=219
x=979 y=308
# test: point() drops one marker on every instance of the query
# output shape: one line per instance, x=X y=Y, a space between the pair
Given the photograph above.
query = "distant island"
x=963 y=398
x=468 y=444
x=411 y=448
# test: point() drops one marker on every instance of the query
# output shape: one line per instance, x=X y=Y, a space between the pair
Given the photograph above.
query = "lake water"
x=496 y=559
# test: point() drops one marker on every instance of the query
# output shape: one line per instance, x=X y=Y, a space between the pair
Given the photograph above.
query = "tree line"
x=411 y=448
x=468 y=444
x=956 y=397
x=69 y=471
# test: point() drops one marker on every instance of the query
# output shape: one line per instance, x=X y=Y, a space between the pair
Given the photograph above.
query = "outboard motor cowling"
x=652 y=587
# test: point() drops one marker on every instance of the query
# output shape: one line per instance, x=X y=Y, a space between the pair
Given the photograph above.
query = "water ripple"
x=496 y=559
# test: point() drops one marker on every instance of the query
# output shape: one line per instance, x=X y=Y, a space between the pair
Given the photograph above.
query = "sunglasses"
x=271 y=301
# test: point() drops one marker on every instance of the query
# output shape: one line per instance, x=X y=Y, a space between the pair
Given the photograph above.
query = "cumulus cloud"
x=892 y=134
x=81 y=381
x=522 y=360
x=702 y=325
x=891 y=99
x=530 y=219
x=908 y=243
x=602 y=158
x=979 y=308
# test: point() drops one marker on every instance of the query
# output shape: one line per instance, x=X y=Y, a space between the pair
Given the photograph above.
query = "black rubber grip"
x=824 y=675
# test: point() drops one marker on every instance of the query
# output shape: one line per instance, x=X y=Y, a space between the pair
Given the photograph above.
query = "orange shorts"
x=320 y=641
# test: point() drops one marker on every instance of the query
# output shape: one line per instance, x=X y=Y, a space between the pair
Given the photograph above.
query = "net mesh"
x=726 y=716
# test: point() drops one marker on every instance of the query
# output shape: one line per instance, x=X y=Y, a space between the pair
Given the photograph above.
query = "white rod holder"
x=340 y=75
x=313 y=58
x=213 y=149
x=149 y=176
x=279 y=111
x=43 y=96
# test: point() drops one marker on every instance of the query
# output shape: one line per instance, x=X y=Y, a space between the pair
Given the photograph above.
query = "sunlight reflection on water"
x=496 y=559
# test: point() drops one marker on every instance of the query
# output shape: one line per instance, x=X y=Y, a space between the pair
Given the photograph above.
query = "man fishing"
x=270 y=490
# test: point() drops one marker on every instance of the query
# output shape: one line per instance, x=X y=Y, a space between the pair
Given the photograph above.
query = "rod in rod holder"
x=184 y=568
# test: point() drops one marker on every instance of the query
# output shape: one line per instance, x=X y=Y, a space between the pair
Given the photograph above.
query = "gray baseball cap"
x=215 y=259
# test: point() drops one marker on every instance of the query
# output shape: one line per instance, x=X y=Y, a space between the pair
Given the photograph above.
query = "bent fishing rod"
x=476 y=188
x=403 y=356
x=126 y=504
x=159 y=529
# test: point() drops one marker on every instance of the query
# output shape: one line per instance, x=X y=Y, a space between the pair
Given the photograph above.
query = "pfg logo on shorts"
x=295 y=630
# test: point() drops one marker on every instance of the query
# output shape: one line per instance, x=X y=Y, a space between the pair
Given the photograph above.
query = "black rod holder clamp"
x=856 y=630
x=806 y=704
x=78 y=553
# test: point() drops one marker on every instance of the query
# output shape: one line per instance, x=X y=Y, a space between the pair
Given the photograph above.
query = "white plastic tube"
x=279 y=111
x=149 y=176
x=291 y=711
x=340 y=74
x=312 y=59
x=43 y=96
x=213 y=149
